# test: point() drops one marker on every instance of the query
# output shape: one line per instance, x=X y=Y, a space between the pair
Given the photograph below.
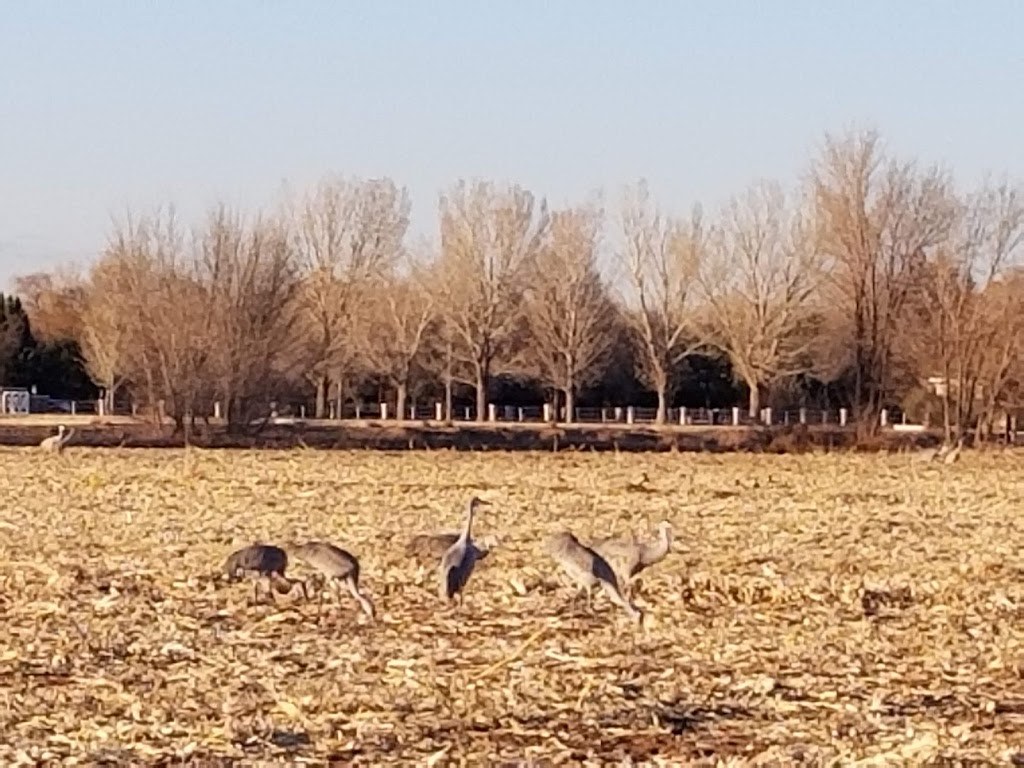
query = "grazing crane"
x=262 y=561
x=589 y=569
x=56 y=443
x=629 y=557
x=336 y=565
x=460 y=558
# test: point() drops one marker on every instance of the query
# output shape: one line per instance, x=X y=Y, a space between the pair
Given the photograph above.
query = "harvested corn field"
x=813 y=608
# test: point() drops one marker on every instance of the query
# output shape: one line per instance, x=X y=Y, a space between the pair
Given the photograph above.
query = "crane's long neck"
x=469 y=524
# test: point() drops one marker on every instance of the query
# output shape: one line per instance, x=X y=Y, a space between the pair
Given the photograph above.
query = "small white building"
x=15 y=401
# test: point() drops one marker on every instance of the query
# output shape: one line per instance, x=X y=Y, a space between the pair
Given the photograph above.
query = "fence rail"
x=531 y=414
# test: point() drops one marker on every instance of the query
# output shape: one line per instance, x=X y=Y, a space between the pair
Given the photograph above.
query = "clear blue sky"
x=106 y=105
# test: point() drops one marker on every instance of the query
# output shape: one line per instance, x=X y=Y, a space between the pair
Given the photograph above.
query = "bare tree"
x=758 y=277
x=347 y=232
x=569 y=313
x=248 y=274
x=105 y=336
x=53 y=302
x=662 y=257
x=958 y=324
x=490 y=238
x=401 y=313
x=163 y=311
x=875 y=220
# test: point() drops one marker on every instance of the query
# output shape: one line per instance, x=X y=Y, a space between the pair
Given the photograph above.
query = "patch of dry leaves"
x=817 y=608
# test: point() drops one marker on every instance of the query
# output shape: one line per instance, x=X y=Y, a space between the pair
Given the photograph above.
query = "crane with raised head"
x=629 y=556
x=56 y=443
x=460 y=558
x=338 y=567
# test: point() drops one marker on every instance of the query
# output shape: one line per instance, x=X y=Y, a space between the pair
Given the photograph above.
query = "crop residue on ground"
x=818 y=607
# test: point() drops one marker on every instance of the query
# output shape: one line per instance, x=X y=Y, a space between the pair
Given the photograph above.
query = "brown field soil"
x=462 y=436
x=816 y=608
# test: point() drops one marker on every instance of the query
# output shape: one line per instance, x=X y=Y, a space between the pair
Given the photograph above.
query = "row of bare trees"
x=876 y=272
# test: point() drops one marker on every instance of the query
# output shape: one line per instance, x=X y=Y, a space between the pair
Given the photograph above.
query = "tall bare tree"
x=106 y=332
x=662 y=258
x=154 y=297
x=401 y=315
x=490 y=238
x=347 y=232
x=248 y=273
x=53 y=302
x=568 y=310
x=758 y=278
x=876 y=219
x=957 y=326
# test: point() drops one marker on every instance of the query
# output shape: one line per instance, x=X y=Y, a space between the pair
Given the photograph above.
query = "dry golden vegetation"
x=817 y=608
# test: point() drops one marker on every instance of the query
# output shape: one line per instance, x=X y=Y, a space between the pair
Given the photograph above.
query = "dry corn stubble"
x=815 y=607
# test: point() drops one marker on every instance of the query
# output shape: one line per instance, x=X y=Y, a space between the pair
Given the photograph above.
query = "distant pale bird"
x=56 y=443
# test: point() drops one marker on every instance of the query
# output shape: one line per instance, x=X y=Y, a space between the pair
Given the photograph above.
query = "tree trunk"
x=481 y=393
x=320 y=408
x=401 y=395
x=754 y=400
x=570 y=405
x=448 y=384
x=662 y=415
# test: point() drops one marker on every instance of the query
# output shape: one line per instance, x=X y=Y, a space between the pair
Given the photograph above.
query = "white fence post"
x=492 y=412
x=439 y=411
x=803 y=415
x=412 y=412
x=618 y=413
x=682 y=416
x=520 y=415
x=547 y=412
x=735 y=416
x=630 y=414
x=768 y=416
x=884 y=417
x=842 y=417
x=384 y=411
x=302 y=411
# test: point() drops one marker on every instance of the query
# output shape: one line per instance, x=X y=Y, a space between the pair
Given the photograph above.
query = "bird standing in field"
x=263 y=561
x=459 y=559
x=954 y=454
x=56 y=443
x=589 y=569
x=337 y=566
x=628 y=556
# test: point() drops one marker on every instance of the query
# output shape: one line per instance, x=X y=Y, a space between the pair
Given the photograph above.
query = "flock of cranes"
x=611 y=563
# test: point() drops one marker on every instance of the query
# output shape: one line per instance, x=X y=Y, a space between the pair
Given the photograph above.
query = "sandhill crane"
x=427 y=549
x=56 y=443
x=459 y=559
x=589 y=569
x=337 y=566
x=934 y=454
x=629 y=557
x=954 y=454
x=264 y=561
